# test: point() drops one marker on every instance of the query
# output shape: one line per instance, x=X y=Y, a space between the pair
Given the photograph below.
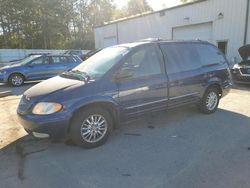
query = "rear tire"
x=91 y=127
x=210 y=101
x=16 y=80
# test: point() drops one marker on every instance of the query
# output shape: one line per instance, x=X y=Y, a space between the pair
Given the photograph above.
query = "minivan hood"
x=244 y=51
x=50 y=86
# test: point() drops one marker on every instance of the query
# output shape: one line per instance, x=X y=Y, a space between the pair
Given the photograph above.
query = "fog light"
x=40 y=135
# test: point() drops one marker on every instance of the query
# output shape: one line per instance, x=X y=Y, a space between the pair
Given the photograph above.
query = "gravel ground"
x=179 y=148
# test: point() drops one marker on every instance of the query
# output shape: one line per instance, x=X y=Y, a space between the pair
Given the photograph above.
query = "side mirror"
x=124 y=74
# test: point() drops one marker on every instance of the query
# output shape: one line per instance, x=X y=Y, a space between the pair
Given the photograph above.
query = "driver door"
x=146 y=90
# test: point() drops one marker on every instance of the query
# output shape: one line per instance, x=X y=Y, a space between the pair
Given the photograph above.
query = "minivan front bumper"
x=44 y=125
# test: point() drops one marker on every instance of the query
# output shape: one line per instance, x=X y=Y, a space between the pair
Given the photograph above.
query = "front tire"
x=91 y=127
x=210 y=101
x=16 y=80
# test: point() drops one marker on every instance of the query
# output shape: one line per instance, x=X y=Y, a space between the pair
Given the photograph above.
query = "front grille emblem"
x=27 y=98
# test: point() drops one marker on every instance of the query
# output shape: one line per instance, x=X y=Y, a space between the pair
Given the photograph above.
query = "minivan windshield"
x=97 y=65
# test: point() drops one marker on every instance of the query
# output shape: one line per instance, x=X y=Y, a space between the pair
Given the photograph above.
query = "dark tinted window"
x=209 y=55
x=144 y=62
x=181 y=57
x=222 y=45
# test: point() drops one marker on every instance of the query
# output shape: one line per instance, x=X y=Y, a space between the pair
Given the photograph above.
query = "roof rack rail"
x=150 y=40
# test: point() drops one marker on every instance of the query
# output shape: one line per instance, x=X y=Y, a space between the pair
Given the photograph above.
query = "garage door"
x=109 y=41
x=193 y=32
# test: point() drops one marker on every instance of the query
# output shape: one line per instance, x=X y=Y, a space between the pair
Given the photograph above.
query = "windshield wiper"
x=83 y=76
x=81 y=73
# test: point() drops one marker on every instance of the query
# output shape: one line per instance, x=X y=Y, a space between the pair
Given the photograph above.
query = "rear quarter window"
x=209 y=55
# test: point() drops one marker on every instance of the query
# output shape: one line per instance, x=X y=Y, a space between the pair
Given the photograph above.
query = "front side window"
x=28 y=59
x=144 y=62
x=181 y=57
x=40 y=61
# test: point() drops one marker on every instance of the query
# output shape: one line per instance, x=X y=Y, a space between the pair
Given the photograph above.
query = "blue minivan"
x=37 y=67
x=122 y=82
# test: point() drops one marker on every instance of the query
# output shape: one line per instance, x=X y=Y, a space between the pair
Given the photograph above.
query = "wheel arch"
x=110 y=106
x=215 y=85
x=16 y=72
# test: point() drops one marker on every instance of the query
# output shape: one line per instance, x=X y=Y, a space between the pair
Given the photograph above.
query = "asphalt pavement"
x=179 y=148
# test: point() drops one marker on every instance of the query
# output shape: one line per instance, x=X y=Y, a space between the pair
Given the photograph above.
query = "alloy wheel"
x=211 y=101
x=94 y=128
x=17 y=80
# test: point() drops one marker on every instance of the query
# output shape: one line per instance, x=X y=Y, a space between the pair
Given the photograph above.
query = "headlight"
x=2 y=72
x=45 y=108
x=236 y=66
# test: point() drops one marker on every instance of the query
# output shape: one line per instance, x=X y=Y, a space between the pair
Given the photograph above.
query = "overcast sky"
x=155 y=4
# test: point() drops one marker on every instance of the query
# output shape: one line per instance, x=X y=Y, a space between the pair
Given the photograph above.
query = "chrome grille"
x=245 y=70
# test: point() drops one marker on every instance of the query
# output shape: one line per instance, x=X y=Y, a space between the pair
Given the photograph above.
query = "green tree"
x=51 y=23
x=138 y=7
x=133 y=7
x=119 y=13
x=100 y=11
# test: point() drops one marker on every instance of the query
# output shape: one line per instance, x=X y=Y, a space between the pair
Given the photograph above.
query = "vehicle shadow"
x=16 y=90
x=243 y=87
x=184 y=123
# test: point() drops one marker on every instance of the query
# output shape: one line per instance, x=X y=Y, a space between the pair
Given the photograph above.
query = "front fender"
x=14 y=71
x=94 y=100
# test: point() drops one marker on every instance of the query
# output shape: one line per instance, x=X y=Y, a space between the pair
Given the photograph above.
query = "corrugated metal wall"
x=228 y=27
x=248 y=29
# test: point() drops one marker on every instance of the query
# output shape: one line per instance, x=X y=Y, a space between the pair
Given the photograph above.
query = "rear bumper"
x=226 y=90
x=226 y=87
x=53 y=127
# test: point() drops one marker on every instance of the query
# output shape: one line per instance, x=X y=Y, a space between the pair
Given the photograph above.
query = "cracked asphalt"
x=179 y=148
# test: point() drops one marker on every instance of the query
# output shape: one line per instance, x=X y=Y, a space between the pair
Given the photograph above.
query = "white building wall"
x=105 y=33
x=230 y=27
x=248 y=29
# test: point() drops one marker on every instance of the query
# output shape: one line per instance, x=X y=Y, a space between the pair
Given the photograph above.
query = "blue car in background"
x=37 y=67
